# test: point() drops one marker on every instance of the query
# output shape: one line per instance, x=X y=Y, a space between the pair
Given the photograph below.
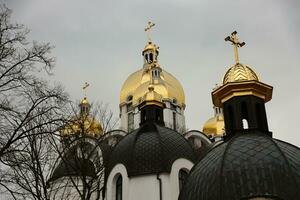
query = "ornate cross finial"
x=86 y=85
x=148 y=29
x=236 y=44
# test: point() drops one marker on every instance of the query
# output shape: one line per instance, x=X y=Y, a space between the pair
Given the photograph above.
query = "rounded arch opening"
x=182 y=176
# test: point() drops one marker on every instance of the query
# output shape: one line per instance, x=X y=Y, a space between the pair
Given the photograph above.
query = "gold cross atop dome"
x=148 y=30
x=85 y=86
x=236 y=44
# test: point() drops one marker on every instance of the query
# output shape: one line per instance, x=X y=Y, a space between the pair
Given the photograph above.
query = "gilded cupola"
x=242 y=96
x=214 y=127
x=240 y=80
x=164 y=83
x=83 y=123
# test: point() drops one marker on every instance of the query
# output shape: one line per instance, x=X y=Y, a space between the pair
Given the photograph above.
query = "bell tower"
x=242 y=97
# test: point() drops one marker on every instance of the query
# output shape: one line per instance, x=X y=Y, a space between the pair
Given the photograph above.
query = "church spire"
x=150 y=51
x=84 y=104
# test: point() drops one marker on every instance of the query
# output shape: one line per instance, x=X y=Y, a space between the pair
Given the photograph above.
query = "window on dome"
x=119 y=188
x=175 y=101
x=129 y=98
x=182 y=178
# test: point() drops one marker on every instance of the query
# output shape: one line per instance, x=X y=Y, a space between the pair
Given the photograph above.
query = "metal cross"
x=86 y=85
x=236 y=44
x=148 y=29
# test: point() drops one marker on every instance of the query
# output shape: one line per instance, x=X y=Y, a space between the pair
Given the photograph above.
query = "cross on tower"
x=85 y=86
x=236 y=44
x=148 y=30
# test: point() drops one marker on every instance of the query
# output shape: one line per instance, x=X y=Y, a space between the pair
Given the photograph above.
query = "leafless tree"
x=24 y=96
x=79 y=171
x=31 y=110
x=68 y=163
x=33 y=114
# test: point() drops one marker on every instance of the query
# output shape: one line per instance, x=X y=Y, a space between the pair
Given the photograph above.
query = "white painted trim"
x=119 y=169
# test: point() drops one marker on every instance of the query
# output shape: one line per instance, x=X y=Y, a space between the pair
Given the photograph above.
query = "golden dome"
x=84 y=101
x=136 y=86
x=214 y=126
x=150 y=46
x=239 y=72
x=83 y=125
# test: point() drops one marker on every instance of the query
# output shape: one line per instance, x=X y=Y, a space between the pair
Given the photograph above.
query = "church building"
x=152 y=156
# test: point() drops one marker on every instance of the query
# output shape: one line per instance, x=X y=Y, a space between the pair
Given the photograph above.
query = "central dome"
x=136 y=86
x=150 y=149
x=240 y=72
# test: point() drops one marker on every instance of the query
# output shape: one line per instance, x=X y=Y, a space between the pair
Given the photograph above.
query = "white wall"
x=146 y=187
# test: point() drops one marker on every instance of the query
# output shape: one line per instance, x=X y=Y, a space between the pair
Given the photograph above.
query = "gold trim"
x=243 y=88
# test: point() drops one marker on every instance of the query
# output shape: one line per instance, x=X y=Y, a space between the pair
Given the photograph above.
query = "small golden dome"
x=83 y=125
x=84 y=101
x=151 y=95
x=240 y=72
x=150 y=46
x=136 y=86
x=214 y=126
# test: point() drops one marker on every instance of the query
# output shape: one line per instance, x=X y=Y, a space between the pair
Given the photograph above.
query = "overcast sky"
x=101 y=42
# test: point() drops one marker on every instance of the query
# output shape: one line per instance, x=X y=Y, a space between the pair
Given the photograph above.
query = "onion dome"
x=240 y=80
x=150 y=149
x=137 y=83
x=214 y=126
x=240 y=72
x=249 y=166
x=165 y=84
x=83 y=124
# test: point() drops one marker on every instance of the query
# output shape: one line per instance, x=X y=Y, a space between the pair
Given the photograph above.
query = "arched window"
x=119 y=188
x=182 y=178
x=245 y=124
x=146 y=57
x=150 y=58
x=245 y=116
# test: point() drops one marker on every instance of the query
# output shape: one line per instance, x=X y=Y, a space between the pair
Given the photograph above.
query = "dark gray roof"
x=70 y=164
x=150 y=149
x=249 y=165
